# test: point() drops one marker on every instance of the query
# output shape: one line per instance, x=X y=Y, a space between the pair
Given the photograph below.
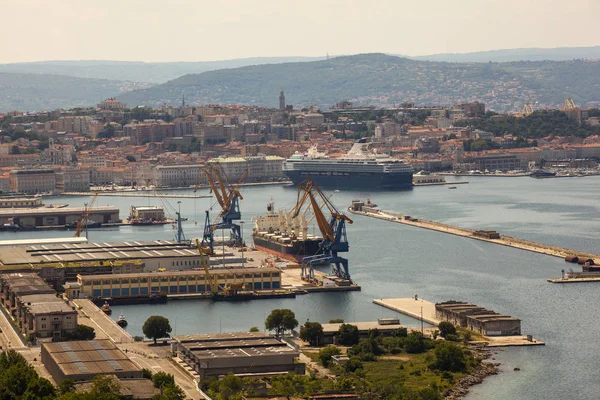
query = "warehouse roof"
x=89 y=357
x=219 y=271
x=42 y=254
x=19 y=212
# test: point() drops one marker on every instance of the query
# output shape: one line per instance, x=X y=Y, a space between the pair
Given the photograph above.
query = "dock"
x=503 y=240
x=424 y=310
x=138 y=194
x=573 y=280
x=104 y=326
x=440 y=183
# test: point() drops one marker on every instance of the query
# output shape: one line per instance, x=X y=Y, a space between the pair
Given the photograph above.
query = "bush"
x=327 y=353
x=336 y=321
x=254 y=329
x=446 y=328
x=353 y=364
x=450 y=357
x=414 y=343
x=452 y=338
x=161 y=379
x=401 y=332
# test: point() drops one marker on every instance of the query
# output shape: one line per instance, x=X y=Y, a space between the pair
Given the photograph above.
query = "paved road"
x=155 y=359
x=9 y=338
x=104 y=326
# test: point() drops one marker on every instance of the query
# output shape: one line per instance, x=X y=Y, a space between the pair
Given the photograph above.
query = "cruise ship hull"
x=399 y=180
x=294 y=251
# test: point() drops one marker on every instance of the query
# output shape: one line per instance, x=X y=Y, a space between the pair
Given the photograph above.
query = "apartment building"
x=176 y=175
x=58 y=154
x=112 y=104
x=32 y=181
x=73 y=180
x=260 y=168
x=149 y=131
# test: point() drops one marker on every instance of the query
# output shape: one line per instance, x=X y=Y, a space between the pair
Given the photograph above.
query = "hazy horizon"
x=196 y=31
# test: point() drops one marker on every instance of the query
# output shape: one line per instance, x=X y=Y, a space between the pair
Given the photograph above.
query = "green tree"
x=286 y=385
x=171 y=392
x=161 y=379
x=108 y=131
x=348 y=335
x=450 y=357
x=446 y=328
x=83 y=332
x=15 y=150
x=105 y=387
x=66 y=386
x=156 y=327
x=230 y=386
x=312 y=332
x=281 y=320
x=146 y=373
x=327 y=353
x=254 y=329
x=39 y=389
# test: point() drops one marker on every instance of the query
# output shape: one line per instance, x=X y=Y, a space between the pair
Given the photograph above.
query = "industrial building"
x=83 y=360
x=384 y=326
x=241 y=353
x=41 y=217
x=477 y=319
x=176 y=282
x=157 y=254
x=144 y=214
x=40 y=315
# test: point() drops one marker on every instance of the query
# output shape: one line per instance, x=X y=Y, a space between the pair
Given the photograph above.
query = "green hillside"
x=384 y=80
x=33 y=92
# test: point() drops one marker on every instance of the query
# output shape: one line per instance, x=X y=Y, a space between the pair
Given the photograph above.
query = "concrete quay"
x=137 y=194
x=105 y=327
x=425 y=310
x=573 y=280
x=508 y=241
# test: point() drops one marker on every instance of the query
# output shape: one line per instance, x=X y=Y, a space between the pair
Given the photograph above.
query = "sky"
x=186 y=30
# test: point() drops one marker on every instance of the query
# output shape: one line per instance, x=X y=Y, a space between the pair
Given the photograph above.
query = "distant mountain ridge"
x=384 y=80
x=151 y=72
x=524 y=54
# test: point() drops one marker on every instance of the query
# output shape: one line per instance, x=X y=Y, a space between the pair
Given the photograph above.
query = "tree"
x=414 y=343
x=108 y=131
x=83 y=332
x=171 y=392
x=130 y=158
x=446 y=328
x=105 y=387
x=312 y=332
x=348 y=335
x=450 y=357
x=254 y=329
x=327 y=353
x=15 y=150
x=66 y=386
x=146 y=373
x=230 y=385
x=39 y=389
x=156 y=327
x=281 y=320
x=285 y=385
x=161 y=379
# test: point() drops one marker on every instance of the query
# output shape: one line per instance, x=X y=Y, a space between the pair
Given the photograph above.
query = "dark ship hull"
x=294 y=251
x=354 y=180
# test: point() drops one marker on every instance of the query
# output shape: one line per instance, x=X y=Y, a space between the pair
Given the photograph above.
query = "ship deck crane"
x=333 y=231
x=82 y=223
x=227 y=196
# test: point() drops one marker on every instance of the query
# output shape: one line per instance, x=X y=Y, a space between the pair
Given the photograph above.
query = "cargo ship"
x=276 y=234
x=360 y=168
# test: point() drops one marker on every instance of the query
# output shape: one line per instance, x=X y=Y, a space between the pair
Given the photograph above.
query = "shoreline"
x=477 y=376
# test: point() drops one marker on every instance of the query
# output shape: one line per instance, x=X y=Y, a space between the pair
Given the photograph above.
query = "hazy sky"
x=199 y=30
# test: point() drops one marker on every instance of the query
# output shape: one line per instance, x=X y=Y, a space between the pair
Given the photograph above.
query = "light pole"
x=242 y=232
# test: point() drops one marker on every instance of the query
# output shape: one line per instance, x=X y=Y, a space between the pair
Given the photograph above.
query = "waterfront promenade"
x=509 y=241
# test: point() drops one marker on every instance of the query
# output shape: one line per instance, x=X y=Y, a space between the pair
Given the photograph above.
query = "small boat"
x=106 y=308
x=122 y=322
x=452 y=187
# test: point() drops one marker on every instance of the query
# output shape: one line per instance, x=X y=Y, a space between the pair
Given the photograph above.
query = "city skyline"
x=62 y=30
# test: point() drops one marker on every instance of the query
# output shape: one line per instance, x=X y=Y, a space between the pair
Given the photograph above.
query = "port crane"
x=527 y=109
x=228 y=197
x=228 y=290
x=333 y=231
x=569 y=105
x=82 y=223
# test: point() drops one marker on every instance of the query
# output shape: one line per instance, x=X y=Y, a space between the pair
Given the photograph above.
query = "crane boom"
x=213 y=285
x=84 y=218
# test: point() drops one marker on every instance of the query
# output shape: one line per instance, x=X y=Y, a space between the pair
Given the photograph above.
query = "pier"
x=425 y=311
x=104 y=326
x=138 y=194
x=500 y=239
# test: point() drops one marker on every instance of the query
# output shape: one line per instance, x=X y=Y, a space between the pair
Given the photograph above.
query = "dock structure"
x=483 y=322
x=138 y=194
x=482 y=235
x=104 y=326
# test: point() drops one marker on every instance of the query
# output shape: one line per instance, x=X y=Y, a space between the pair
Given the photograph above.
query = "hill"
x=139 y=71
x=385 y=80
x=507 y=55
x=33 y=92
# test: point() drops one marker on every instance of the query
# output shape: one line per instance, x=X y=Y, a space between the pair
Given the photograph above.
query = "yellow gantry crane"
x=569 y=105
x=212 y=282
x=527 y=109
x=82 y=223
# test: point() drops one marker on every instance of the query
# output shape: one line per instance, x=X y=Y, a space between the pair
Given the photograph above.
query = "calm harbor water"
x=393 y=260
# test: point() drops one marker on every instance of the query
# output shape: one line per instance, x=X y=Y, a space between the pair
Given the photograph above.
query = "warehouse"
x=156 y=254
x=214 y=355
x=477 y=319
x=40 y=217
x=383 y=326
x=83 y=360
x=176 y=282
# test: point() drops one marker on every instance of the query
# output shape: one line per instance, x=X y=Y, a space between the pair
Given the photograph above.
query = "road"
x=9 y=338
x=156 y=359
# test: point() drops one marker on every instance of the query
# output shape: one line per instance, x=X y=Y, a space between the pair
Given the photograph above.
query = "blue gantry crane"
x=228 y=198
x=334 y=232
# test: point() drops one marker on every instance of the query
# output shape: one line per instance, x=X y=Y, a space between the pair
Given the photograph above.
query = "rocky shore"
x=484 y=370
